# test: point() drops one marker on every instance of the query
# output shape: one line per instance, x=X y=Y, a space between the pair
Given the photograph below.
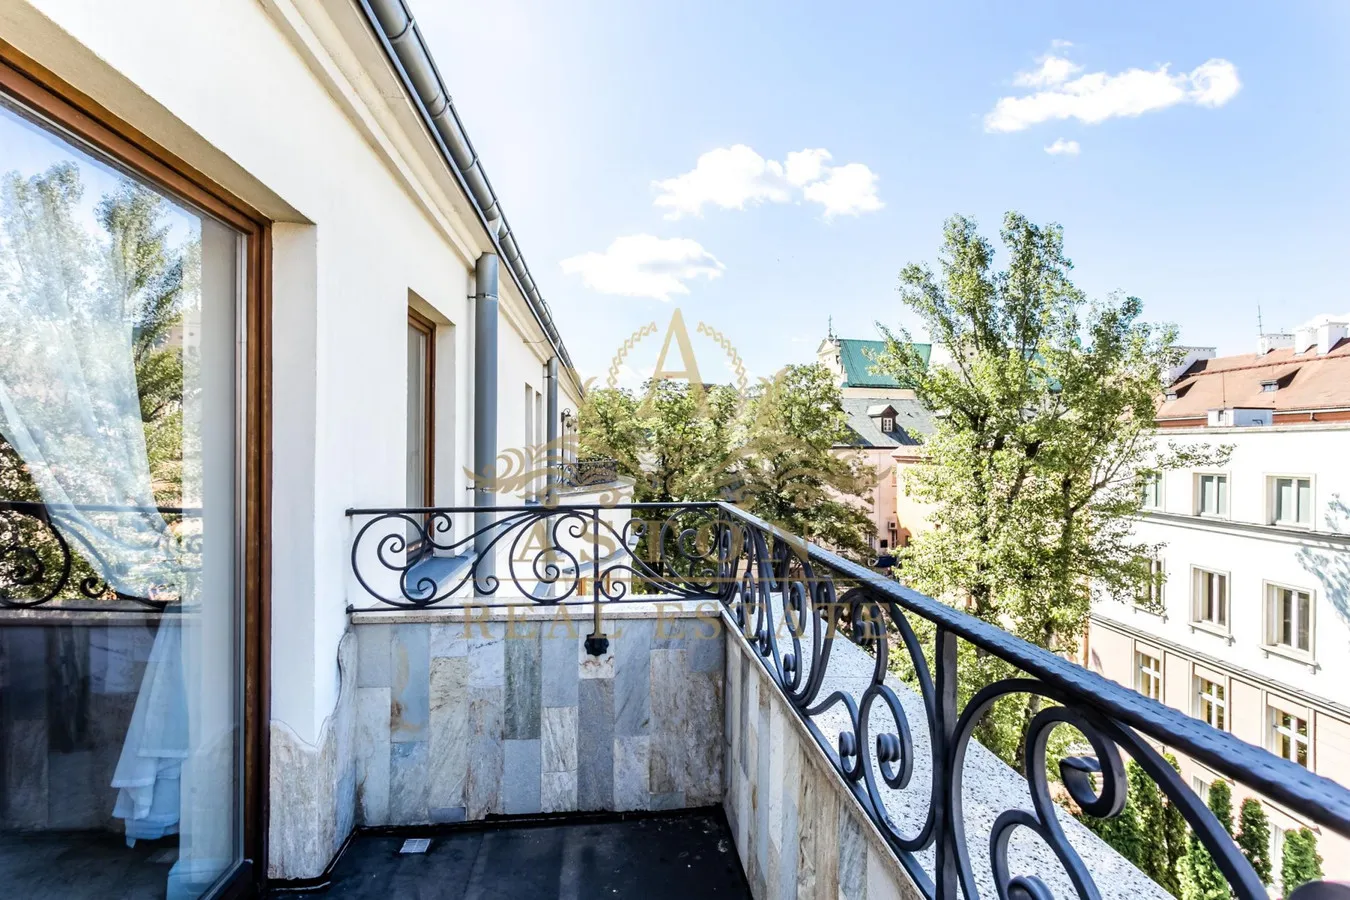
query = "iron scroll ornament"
x=553 y=554
x=780 y=573
x=47 y=559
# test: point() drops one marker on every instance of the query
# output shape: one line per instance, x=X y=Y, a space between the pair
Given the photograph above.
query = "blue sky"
x=1231 y=189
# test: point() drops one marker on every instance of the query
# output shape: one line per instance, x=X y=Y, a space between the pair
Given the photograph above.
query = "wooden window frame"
x=84 y=121
x=428 y=328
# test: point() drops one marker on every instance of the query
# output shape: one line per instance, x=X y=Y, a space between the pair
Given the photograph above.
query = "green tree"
x=608 y=428
x=1141 y=832
x=1300 y=863
x=674 y=439
x=1148 y=802
x=787 y=470
x=771 y=452
x=1175 y=835
x=145 y=284
x=1125 y=832
x=1254 y=837
x=1044 y=408
x=1202 y=879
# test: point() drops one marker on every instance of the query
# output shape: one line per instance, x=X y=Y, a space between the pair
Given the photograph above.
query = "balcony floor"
x=678 y=855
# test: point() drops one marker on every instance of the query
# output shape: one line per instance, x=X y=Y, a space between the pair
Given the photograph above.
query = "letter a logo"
x=680 y=334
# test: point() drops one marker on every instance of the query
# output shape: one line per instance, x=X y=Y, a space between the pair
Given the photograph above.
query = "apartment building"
x=887 y=424
x=1251 y=629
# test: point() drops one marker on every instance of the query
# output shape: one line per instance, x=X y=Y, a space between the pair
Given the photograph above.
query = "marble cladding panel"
x=798 y=831
x=315 y=791
x=456 y=721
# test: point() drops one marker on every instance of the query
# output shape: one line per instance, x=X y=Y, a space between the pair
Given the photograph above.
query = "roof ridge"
x=1297 y=360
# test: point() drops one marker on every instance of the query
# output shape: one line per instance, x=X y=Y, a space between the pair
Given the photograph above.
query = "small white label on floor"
x=415 y=845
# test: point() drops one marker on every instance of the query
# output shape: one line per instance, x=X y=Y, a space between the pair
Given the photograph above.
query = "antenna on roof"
x=1260 y=329
x=831 y=328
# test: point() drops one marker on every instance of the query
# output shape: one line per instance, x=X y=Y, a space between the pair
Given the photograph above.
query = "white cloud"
x=640 y=265
x=735 y=177
x=806 y=166
x=1098 y=96
x=729 y=177
x=1053 y=70
x=845 y=191
x=1062 y=147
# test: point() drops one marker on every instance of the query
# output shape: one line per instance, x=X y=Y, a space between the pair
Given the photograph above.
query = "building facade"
x=1251 y=628
x=887 y=424
x=254 y=276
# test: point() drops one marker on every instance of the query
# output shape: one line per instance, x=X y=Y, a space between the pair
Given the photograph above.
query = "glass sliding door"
x=121 y=601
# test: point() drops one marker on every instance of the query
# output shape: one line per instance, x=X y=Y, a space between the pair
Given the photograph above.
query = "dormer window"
x=887 y=424
x=1270 y=387
x=1171 y=395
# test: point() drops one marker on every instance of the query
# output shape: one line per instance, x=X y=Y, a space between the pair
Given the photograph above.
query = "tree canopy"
x=1044 y=407
x=774 y=451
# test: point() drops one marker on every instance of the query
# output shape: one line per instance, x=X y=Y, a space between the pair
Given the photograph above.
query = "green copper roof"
x=859 y=358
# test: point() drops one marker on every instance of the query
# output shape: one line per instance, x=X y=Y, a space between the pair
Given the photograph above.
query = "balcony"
x=626 y=659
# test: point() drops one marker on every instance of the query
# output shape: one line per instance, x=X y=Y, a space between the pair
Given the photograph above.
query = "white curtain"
x=69 y=407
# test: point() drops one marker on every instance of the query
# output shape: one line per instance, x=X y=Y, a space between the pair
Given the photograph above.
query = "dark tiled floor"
x=683 y=855
x=84 y=865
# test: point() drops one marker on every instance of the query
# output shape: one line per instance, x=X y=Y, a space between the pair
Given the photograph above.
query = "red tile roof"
x=1306 y=381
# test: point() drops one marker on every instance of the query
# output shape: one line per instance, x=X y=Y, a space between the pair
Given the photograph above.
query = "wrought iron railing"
x=790 y=601
x=57 y=555
x=548 y=554
x=581 y=473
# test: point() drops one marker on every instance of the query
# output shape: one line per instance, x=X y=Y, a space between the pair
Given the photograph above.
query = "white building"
x=364 y=332
x=1252 y=630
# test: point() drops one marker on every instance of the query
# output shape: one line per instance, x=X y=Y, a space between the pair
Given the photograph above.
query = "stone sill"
x=527 y=611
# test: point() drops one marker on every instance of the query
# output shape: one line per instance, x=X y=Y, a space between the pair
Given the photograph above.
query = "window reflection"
x=119 y=609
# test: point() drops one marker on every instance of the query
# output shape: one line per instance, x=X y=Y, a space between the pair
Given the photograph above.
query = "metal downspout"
x=551 y=431
x=484 y=418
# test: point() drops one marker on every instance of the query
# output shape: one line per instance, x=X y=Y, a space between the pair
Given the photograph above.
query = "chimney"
x=1271 y=342
x=1193 y=355
x=1304 y=338
x=1329 y=334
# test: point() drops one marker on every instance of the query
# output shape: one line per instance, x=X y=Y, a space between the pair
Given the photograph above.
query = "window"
x=1211 y=599
x=127 y=390
x=1290 y=501
x=1201 y=788
x=1150 y=485
x=1276 y=843
x=1148 y=675
x=421 y=386
x=1152 y=595
x=887 y=424
x=1289 y=735
x=1269 y=387
x=1289 y=613
x=1211 y=495
x=1210 y=704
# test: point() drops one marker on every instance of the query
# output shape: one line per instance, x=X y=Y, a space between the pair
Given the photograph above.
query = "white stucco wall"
x=287 y=104
x=1252 y=554
x=1312 y=559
